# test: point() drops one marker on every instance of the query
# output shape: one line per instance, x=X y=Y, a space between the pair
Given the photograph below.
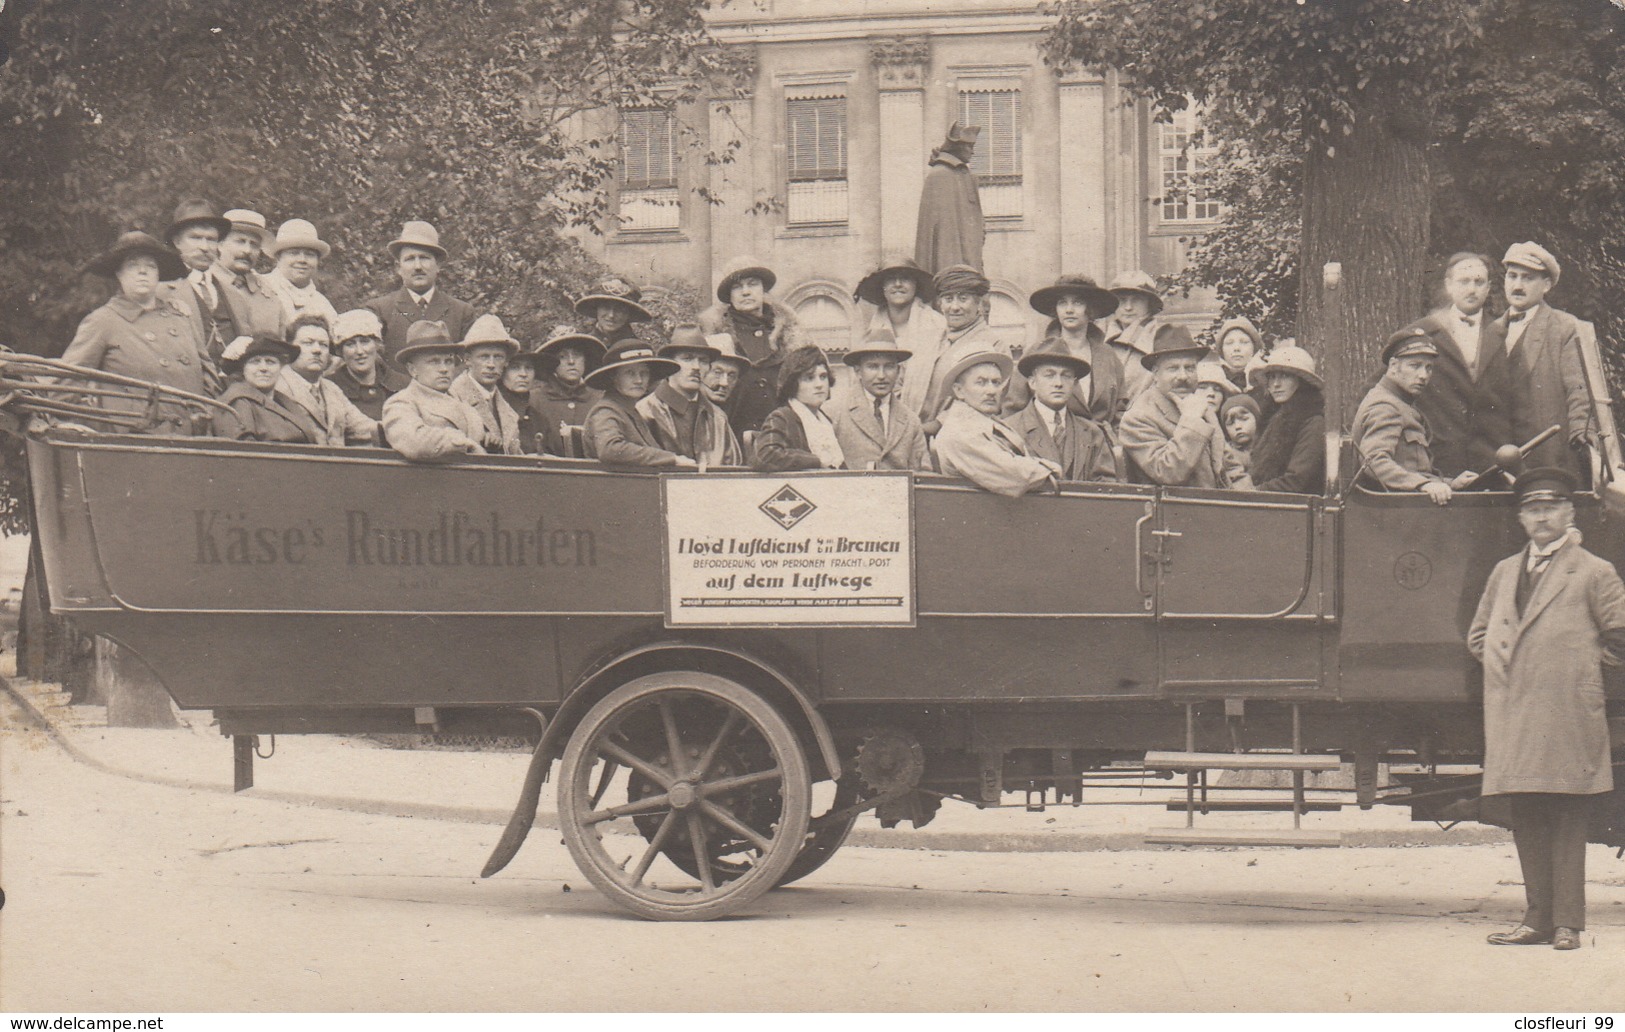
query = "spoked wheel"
x=826 y=835
x=717 y=796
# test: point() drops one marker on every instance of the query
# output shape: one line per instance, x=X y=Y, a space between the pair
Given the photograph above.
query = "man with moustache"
x=1545 y=373
x=973 y=444
x=1465 y=404
x=305 y=384
x=726 y=370
x=1170 y=433
x=249 y=305
x=418 y=257
x=683 y=419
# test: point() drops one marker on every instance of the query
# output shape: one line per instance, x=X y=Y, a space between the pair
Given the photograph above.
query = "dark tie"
x=1059 y=429
x=1514 y=316
x=880 y=414
x=423 y=308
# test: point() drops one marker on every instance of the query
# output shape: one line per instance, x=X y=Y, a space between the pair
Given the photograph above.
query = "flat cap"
x=1530 y=255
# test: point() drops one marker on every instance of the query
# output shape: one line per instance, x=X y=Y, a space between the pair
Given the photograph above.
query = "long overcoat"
x=1544 y=726
x=950 y=230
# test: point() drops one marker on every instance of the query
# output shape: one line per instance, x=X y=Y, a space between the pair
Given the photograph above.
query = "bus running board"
x=1242 y=837
x=1231 y=805
x=1240 y=761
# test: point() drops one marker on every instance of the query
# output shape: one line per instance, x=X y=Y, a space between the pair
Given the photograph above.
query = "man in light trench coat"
x=1550 y=617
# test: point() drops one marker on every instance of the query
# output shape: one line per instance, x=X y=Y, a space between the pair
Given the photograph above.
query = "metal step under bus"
x=1239 y=761
x=1233 y=805
x=1242 y=837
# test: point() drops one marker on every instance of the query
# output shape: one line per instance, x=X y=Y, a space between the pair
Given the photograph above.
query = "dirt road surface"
x=123 y=896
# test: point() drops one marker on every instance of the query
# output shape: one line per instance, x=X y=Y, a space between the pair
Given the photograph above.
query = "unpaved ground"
x=129 y=896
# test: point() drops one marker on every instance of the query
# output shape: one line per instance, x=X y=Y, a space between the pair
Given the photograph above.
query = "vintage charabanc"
x=697 y=652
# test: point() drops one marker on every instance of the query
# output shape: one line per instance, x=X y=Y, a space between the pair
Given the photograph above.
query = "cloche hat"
x=298 y=233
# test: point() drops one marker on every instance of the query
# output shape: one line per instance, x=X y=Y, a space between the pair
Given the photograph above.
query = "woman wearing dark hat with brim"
x=611 y=307
x=1290 y=453
x=763 y=330
x=903 y=293
x=140 y=332
x=1073 y=303
x=561 y=396
x=798 y=434
x=616 y=433
x=258 y=412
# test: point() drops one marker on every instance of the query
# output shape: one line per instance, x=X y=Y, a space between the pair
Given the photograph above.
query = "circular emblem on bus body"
x=1413 y=570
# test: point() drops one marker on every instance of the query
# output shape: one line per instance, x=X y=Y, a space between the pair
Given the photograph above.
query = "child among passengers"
x=424 y=422
x=1239 y=417
x=797 y=434
x=616 y=433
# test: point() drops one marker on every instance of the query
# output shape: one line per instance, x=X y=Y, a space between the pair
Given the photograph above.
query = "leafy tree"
x=355 y=114
x=1344 y=84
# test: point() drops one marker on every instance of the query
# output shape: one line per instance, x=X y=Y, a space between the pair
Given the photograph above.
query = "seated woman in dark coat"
x=258 y=412
x=616 y=432
x=1290 y=452
x=797 y=434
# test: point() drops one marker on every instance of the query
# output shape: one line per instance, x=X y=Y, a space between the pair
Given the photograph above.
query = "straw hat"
x=246 y=221
x=1210 y=372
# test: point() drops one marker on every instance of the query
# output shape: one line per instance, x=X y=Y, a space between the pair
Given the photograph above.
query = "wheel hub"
x=683 y=795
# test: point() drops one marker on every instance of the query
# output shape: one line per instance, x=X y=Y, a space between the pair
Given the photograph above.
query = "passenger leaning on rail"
x=259 y=411
x=1050 y=425
x=1170 y=433
x=1389 y=432
x=424 y=422
x=140 y=333
x=799 y=434
x=616 y=433
x=876 y=428
x=305 y=383
x=973 y=444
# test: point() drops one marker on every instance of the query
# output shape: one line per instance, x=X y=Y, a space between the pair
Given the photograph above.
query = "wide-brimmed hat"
x=240 y=350
x=1136 y=282
x=1052 y=352
x=624 y=355
x=960 y=279
x=425 y=336
x=1546 y=484
x=249 y=221
x=358 y=322
x=689 y=337
x=1530 y=255
x=486 y=330
x=132 y=244
x=1211 y=371
x=1412 y=340
x=298 y=233
x=1100 y=301
x=872 y=288
x=195 y=211
x=739 y=269
x=1295 y=360
x=727 y=351
x=417 y=233
x=997 y=358
x=1171 y=339
x=615 y=291
x=568 y=336
x=879 y=342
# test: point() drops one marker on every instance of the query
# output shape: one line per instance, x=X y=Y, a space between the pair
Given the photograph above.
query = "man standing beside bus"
x=1550 y=617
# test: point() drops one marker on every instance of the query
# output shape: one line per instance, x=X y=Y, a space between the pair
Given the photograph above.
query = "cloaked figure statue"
x=950 y=229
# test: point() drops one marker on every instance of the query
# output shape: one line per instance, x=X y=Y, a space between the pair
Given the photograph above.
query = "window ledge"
x=825 y=229
x=647 y=236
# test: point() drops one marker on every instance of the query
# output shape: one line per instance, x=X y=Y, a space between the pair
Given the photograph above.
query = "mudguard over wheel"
x=717 y=796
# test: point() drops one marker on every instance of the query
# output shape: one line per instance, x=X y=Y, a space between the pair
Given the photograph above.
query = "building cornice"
x=831 y=28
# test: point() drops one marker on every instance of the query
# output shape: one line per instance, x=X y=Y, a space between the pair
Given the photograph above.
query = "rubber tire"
x=795 y=788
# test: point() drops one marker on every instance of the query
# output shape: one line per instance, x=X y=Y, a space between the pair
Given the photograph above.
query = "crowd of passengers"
x=1111 y=393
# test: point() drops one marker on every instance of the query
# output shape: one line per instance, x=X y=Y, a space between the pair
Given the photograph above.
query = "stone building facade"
x=849 y=97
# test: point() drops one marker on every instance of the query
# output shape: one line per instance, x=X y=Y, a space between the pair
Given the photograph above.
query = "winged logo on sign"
x=787 y=507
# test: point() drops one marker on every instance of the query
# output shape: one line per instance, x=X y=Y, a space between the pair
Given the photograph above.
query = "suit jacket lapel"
x=1551 y=582
x=863 y=417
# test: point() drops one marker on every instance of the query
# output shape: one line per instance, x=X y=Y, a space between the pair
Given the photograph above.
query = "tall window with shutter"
x=815 y=159
x=1186 y=169
x=997 y=159
x=648 y=174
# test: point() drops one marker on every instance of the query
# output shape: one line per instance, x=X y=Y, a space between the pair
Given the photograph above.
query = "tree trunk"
x=1365 y=206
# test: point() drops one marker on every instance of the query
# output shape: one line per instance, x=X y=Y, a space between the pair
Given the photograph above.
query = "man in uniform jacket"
x=1545 y=372
x=973 y=443
x=423 y=421
x=1550 y=617
x=873 y=424
x=950 y=230
x=1170 y=433
x=418 y=255
x=683 y=419
x=1466 y=404
x=1049 y=425
x=1390 y=434
x=763 y=330
x=250 y=306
